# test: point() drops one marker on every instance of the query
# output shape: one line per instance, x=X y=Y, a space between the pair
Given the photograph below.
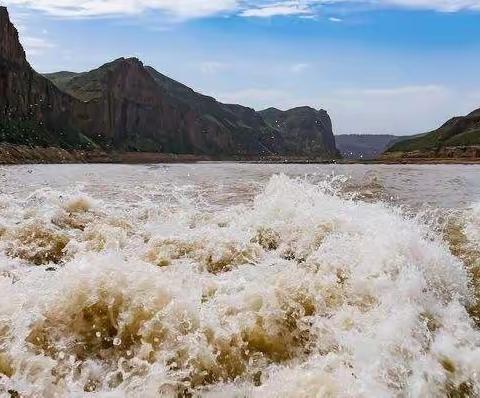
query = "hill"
x=457 y=138
x=304 y=130
x=129 y=107
x=147 y=111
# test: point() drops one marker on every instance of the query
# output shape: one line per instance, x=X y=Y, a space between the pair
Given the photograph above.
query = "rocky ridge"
x=125 y=106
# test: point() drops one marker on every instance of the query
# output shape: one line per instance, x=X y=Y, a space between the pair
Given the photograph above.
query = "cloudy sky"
x=377 y=66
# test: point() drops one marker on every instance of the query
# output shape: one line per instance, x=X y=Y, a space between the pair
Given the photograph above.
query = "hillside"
x=32 y=110
x=147 y=111
x=459 y=137
x=304 y=130
x=124 y=106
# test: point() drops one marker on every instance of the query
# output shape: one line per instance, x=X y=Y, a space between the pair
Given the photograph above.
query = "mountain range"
x=364 y=146
x=125 y=106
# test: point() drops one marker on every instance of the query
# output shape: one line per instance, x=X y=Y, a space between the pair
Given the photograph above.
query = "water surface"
x=239 y=280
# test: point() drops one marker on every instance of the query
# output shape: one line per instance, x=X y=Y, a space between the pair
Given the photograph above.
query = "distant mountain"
x=458 y=138
x=126 y=106
x=364 y=146
x=304 y=130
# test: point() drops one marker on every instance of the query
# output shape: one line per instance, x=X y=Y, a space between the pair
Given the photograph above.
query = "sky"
x=377 y=66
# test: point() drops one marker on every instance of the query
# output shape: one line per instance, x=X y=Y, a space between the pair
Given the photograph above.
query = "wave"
x=302 y=292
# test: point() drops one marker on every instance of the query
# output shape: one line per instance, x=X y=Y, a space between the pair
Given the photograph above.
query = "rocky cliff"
x=126 y=106
x=32 y=110
x=457 y=138
x=135 y=108
x=304 y=130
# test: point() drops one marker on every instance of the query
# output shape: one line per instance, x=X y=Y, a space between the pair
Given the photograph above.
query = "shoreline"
x=23 y=155
x=408 y=161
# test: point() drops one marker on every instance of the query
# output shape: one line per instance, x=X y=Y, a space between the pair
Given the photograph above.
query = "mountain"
x=364 y=146
x=125 y=106
x=138 y=109
x=457 y=138
x=33 y=111
x=304 y=130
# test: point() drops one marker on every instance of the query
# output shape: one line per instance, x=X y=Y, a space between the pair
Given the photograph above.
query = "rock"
x=32 y=110
x=126 y=107
x=135 y=108
x=304 y=130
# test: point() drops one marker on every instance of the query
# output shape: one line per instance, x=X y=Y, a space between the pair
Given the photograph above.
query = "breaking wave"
x=302 y=292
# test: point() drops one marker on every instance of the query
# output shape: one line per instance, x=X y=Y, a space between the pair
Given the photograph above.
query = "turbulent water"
x=239 y=280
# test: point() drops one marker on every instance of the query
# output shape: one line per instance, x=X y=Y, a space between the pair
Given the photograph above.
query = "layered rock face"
x=305 y=131
x=133 y=107
x=458 y=138
x=126 y=106
x=10 y=47
x=32 y=110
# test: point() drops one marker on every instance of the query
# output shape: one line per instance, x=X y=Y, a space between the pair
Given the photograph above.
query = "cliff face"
x=457 y=138
x=305 y=131
x=32 y=110
x=251 y=135
x=10 y=47
x=126 y=106
x=133 y=107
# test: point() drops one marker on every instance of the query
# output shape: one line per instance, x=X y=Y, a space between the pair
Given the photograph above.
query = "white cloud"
x=213 y=67
x=300 y=67
x=396 y=110
x=396 y=91
x=92 y=8
x=36 y=45
x=185 y=9
x=253 y=97
x=309 y=8
x=438 y=5
x=277 y=9
x=31 y=41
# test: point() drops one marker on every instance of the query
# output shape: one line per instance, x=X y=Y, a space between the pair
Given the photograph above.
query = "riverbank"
x=415 y=161
x=22 y=154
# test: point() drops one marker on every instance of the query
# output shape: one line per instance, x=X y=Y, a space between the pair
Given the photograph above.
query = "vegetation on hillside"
x=457 y=132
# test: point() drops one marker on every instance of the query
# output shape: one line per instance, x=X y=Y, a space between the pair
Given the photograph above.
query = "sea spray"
x=301 y=292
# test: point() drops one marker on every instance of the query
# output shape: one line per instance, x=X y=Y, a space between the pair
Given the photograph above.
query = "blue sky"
x=377 y=66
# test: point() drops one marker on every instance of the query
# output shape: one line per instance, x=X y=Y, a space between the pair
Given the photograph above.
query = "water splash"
x=302 y=292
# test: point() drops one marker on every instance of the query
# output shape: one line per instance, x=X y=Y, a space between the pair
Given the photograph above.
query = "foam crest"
x=298 y=293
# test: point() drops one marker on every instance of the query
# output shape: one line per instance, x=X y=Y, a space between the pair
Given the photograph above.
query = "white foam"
x=299 y=294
